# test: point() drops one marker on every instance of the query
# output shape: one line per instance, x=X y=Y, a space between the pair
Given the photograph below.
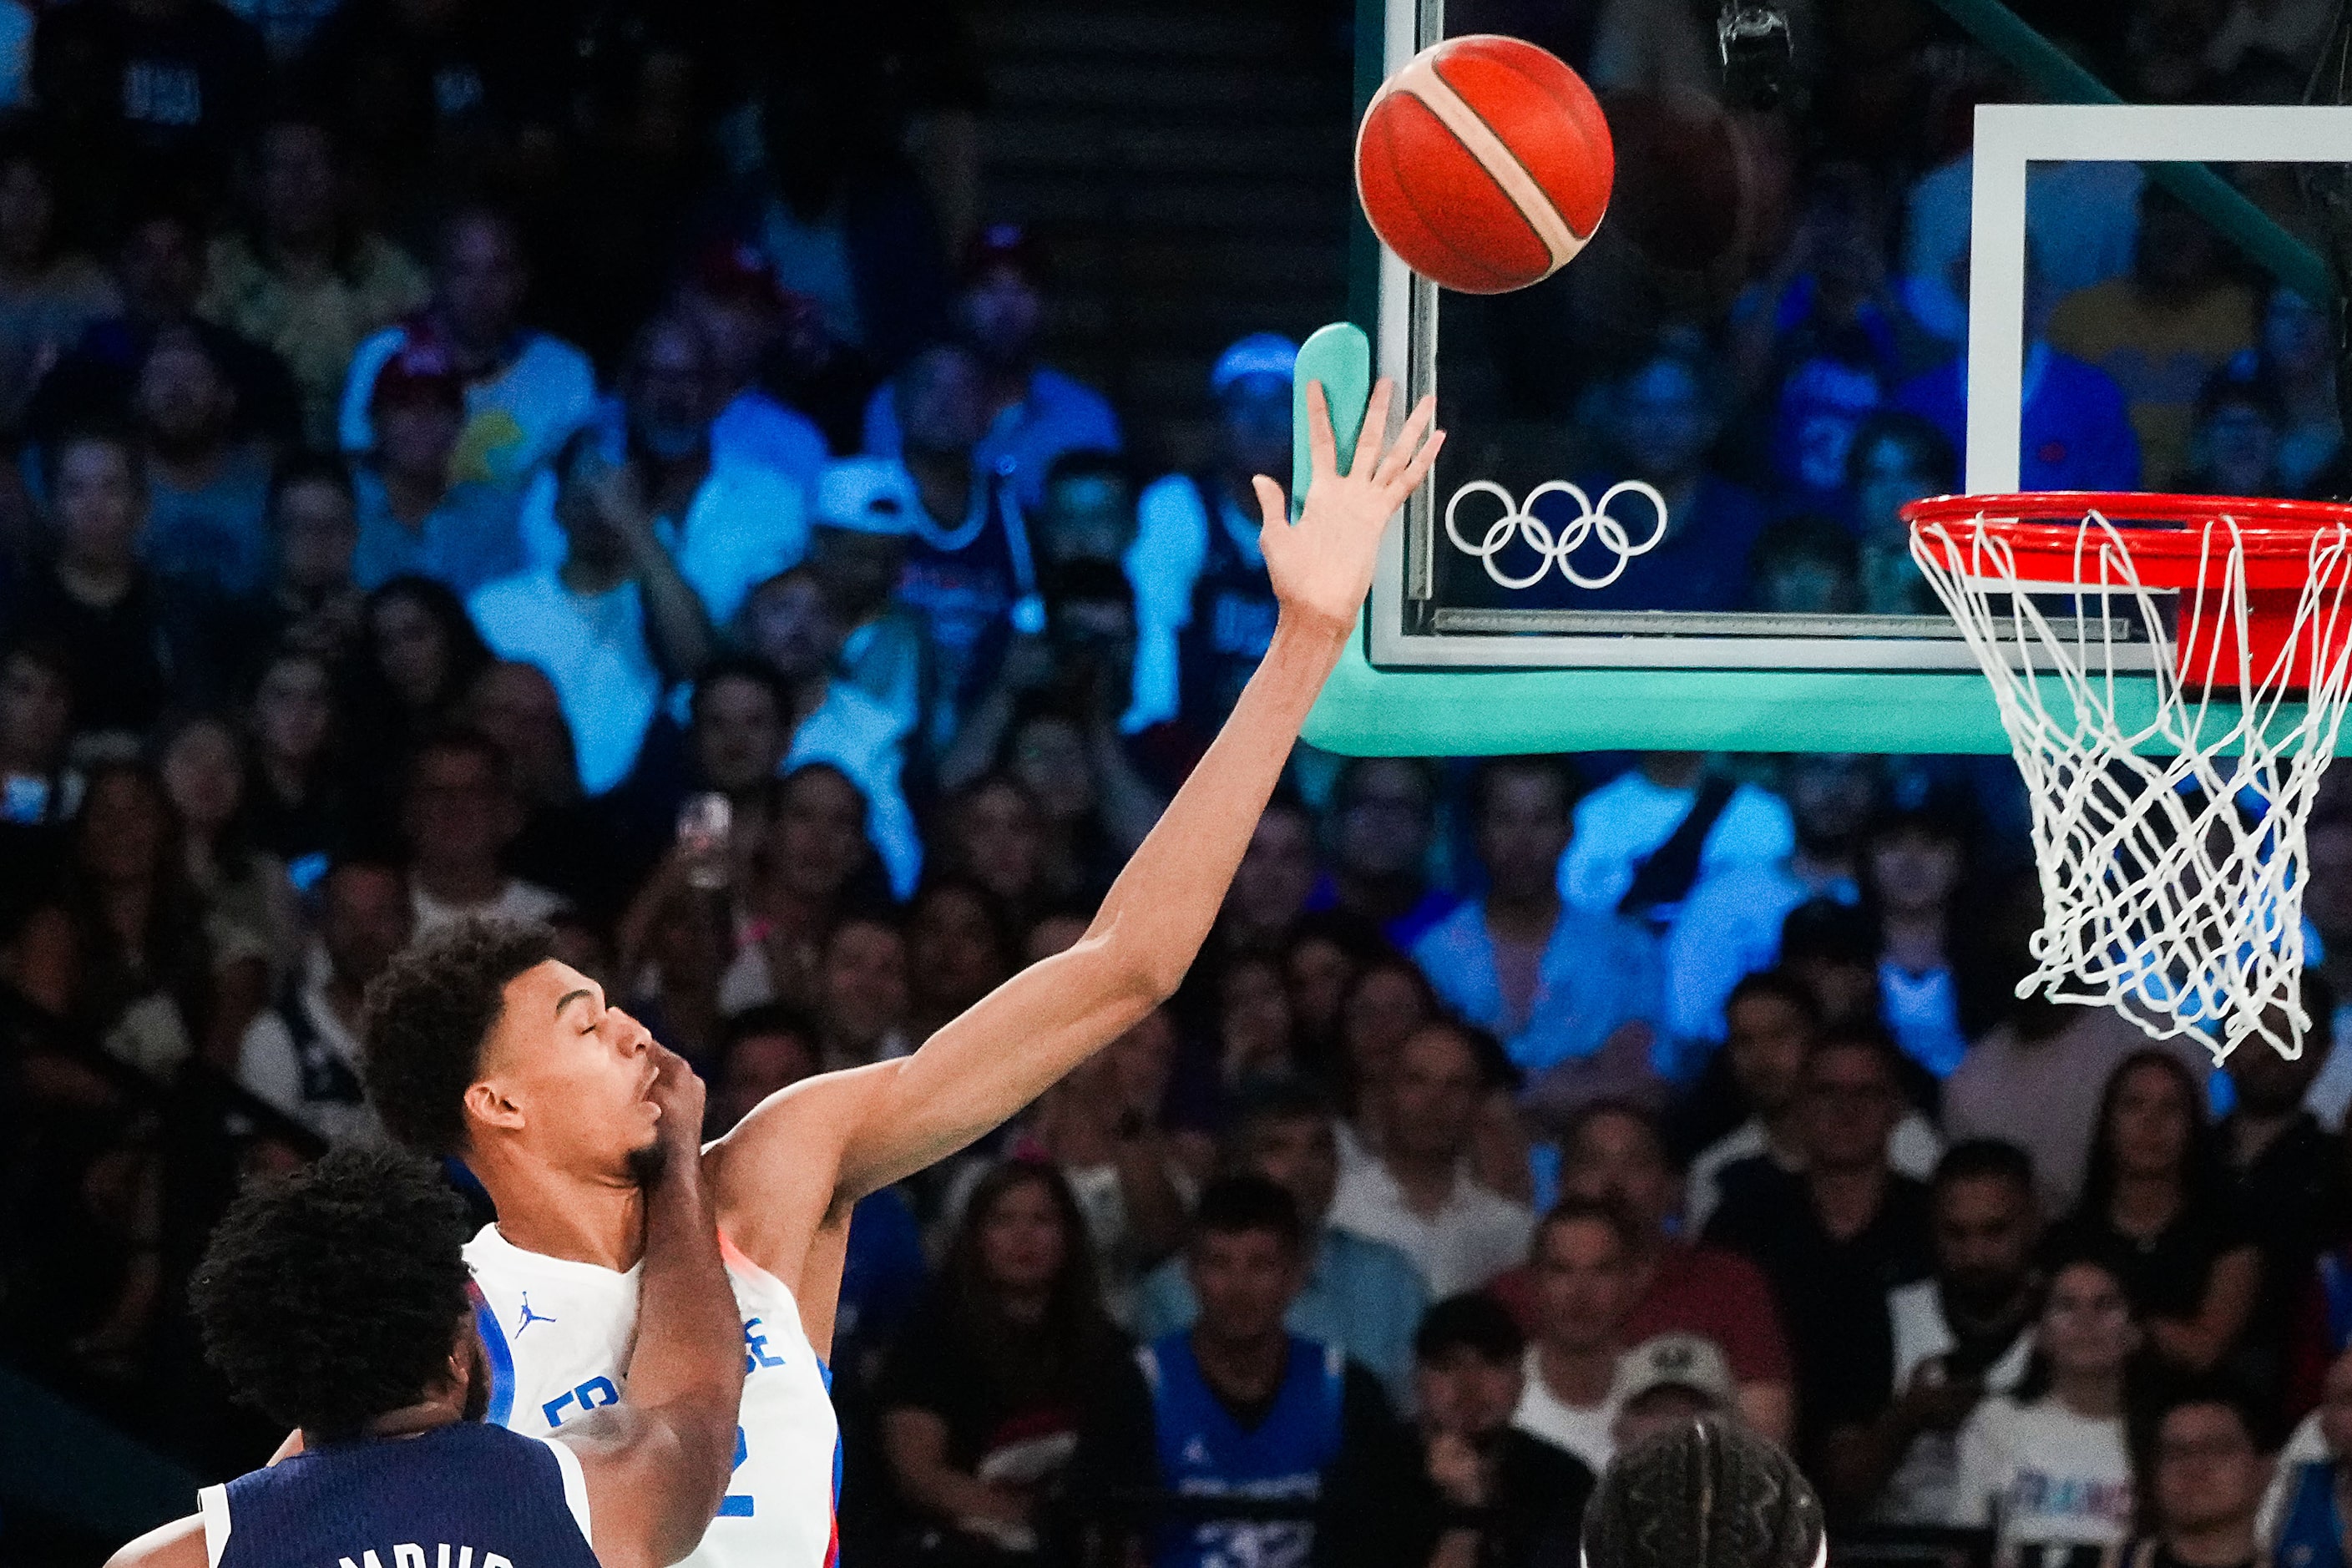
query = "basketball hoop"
x=2173 y=672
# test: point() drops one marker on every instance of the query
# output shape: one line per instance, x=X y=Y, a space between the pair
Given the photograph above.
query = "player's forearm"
x=687 y=1366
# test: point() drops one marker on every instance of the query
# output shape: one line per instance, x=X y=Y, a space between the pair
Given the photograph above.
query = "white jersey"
x=558 y=1333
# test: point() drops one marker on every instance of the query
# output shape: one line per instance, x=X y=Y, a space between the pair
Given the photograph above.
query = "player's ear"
x=487 y=1104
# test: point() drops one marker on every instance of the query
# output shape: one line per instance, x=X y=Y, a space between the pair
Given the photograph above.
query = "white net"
x=2169 y=810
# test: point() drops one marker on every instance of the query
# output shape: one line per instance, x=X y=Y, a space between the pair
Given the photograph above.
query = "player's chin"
x=648 y=1161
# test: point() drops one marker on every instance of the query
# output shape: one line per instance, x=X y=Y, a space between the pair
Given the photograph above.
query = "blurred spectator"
x=613 y=625
x=1554 y=983
x=2291 y=1177
x=1323 y=1436
x=207 y=491
x=738 y=726
x=312 y=600
x=302 y=276
x=517 y=707
x=2081 y=221
x=863 y=992
x=971 y=577
x=1486 y=1493
x=2304 y=1512
x=2200 y=1480
x=2235 y=434
x=94 y=602
x=1805 y=566
x=203 y=761
x=49 y=291
x=1825 y=342
x=729 y=524
x=419 y=659
x=1957 y=1337
x=302 y=1054
x=1641 y=841
x=1897 y=459
x=2035 y=1079
x=762 y=1052
x=39 y=788
x=159 y=277
x=1773 y=1021
x=2048 y=1465
x=1361 y=1296
x=296 y=805
x=1089 y=510
x=2075 y=433
x=1416 y=1193
x=525 y=391
x=1274 y=880
x=731 y=297
x=1585 y=1284
x=2300 y=356
x=2157 y=1196
x=459 y=812
x=1729 y=927
x=1256 y=1039
x=1386 y=1002
x=1615 y=1154
x=863 y=515
x=175 y=86
x=1031 y=413
x=1911 y=872
x=1203 y=600
x=810 y=858
x=1000 y=1373
x=1383 y=822
x=959 y=951
x=1833 y=1238
x=415 y=517
x=2162 y=330
x=1659 y=423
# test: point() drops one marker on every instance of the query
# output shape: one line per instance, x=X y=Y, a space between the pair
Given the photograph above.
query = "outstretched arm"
x=656 y=1464
x=885 y=1121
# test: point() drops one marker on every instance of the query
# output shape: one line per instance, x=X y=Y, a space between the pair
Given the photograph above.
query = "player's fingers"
x=1323 y=451
x=1271 y=503
x=1421 y=463
x=1374 y=434
x=1408 y=441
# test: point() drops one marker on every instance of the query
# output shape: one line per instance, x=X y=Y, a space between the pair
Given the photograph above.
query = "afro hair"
x=426 y=1019
x=331 y=1296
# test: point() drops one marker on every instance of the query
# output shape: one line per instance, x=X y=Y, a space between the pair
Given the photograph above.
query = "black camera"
x=1758 y=57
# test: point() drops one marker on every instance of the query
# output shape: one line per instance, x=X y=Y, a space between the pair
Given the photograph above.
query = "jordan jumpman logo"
x=528 y=1317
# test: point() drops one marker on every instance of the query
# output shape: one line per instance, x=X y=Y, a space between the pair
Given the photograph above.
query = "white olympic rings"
x=1591 y=522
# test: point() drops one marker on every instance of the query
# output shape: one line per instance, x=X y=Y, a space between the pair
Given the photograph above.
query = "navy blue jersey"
x=1204 y=1452
x=467 y=1495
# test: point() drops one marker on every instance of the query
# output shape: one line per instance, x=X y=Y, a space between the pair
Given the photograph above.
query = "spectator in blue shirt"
x=1362 y=1297
x=1033 y=412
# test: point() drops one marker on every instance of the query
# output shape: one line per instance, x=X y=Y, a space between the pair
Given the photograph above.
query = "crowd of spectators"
x=592 y=464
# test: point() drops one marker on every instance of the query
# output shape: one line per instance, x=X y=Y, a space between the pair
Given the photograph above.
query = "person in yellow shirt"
x=2162 y=330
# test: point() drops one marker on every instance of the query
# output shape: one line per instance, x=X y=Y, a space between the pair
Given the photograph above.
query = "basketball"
x=1486 y=163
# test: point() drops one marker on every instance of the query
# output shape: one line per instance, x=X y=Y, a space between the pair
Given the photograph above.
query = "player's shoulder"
x=179 y=1544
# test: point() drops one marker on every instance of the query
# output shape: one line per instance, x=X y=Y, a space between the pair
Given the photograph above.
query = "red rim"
x=2046 y=519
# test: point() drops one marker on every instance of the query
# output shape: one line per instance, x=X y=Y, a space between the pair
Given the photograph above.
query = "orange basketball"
x=1484 y=164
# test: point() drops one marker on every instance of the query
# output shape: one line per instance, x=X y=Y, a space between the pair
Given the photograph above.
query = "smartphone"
x=705 y=827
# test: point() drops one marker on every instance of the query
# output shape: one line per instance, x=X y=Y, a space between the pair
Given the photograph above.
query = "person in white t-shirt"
x=1586 y=1284
x=2048 y=1465
x=526 y=391
x=1622 y=824
x=613 y=626
x=1416 y=1194
x=459 y=812
x=302 y=1055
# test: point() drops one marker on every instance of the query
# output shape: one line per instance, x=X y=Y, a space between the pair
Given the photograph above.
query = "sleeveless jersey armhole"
x=212 y=1503
x=575 y=1488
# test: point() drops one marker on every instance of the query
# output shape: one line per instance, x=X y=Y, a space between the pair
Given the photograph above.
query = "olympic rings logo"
x=1591 y=521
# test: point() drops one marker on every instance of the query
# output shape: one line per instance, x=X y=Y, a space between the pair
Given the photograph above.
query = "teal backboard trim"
x=1459 y=713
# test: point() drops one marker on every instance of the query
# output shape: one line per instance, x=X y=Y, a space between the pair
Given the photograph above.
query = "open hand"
x=1322 y=565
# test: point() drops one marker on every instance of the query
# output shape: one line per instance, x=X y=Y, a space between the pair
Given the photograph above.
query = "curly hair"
x=425 y=1018
x=1706 y=1494
x=334 y=1295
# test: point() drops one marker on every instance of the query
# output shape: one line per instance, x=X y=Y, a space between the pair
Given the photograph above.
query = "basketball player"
x=480 y=1044
x=337 y=1301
